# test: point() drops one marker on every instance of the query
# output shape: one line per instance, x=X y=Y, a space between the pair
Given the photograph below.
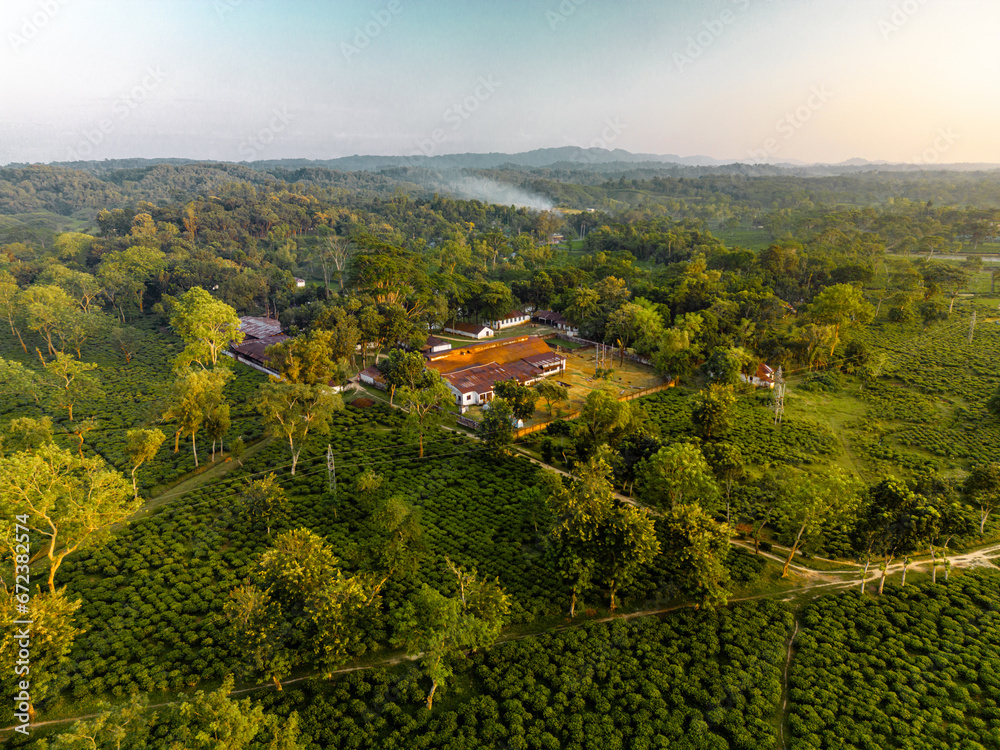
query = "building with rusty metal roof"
x=472 y=371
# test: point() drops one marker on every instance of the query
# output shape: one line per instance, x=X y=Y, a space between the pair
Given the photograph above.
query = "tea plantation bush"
x=695 y=680
x=795 y=441
x=936 y=389
x=135 y=395
x=153 y=595
x=916 y=668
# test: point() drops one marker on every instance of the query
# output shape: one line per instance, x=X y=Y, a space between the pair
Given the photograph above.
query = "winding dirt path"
x=784 y=689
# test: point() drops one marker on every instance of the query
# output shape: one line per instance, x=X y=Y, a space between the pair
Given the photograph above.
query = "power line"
x=314 y=471
x=309 y=463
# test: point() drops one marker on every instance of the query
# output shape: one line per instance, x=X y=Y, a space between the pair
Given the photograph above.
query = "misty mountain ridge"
x=559 y=157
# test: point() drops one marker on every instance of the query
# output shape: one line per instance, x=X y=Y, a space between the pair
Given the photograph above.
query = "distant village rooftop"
x=260 y=328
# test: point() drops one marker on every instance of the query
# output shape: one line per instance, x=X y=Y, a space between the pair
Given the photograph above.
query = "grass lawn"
x=579 y=377
x=751 y=239
x=842 y=411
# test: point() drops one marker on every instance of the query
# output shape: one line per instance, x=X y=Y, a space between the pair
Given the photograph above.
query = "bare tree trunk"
x=295 y=458
x=194 y=449
x=791 y=554
x=933 y=565
x=885 y=573
x=864 y=575
x=906 y=563
x=430 y=695
x=572 y=605
x=983 y=515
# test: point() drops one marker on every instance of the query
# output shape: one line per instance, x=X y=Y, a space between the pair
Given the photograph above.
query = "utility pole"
x=331 y=470
x=972 y=328
x=331 y=476
x=779 y=397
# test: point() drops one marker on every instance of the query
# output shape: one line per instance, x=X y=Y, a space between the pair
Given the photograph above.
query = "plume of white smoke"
x=499 y=193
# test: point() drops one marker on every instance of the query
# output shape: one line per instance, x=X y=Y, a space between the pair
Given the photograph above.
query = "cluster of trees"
x=301 y=609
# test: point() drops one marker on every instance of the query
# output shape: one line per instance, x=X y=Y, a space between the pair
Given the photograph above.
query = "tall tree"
x=552 y=393
x=840 y=305
x=18 y=381
x=521 y=398
x=53 y=631
x=215 y=721
x=125 y=273
x=393 y=541
x=697 y=546
x=727 y=462
x=70 y=502
x=69 y=381
x=206 y=325
x=264 y=500
x=28 y=433
x=11 y=307
x=305 y=359
x=726 y=364
x=714 y=409
x=982 y=489
x=813 y=503
x=293 y=410
x=677 y=474
x=141 y=446
x=677 y=354
x=497 y=426
x=631 y=323
x=439 y=628
x=604 y=420
x=402 y=369
x=628 y=544
x=127 y=340
x=891 y=523
x=579 y=512
x=195 y=395
x=217 y=423
x=45 y=305
x=425 y=405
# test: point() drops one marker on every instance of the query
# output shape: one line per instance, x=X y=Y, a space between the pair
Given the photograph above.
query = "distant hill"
x=566 y=157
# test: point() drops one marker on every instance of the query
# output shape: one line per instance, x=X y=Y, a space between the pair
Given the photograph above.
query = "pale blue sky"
x=814 y=80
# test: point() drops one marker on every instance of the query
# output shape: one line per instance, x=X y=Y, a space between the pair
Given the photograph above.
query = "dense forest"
x=785 y=534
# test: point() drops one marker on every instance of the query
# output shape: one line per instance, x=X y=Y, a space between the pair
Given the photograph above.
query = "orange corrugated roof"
x=498 y=352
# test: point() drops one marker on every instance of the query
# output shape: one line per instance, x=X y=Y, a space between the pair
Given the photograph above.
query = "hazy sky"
x=813 y=80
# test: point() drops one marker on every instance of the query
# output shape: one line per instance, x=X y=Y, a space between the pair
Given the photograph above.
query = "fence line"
x=616 y=351
x=626 y=397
